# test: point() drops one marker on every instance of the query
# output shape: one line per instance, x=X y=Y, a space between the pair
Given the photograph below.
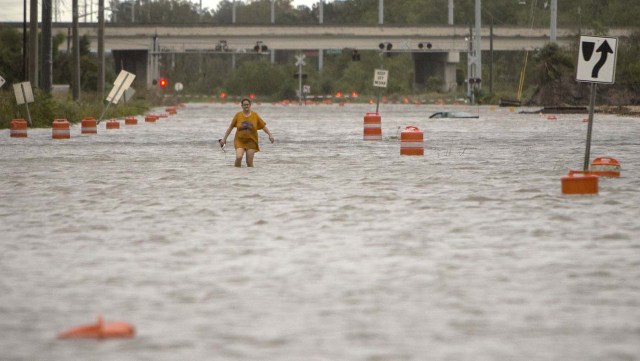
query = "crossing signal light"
x=425 y=45
x=162 y=82
x=355 y=56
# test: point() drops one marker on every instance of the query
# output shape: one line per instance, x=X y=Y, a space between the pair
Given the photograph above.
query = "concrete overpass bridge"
x=137 y=46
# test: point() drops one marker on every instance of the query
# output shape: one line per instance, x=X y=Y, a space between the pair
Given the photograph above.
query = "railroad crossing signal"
x=300 y=60
x=597 y=59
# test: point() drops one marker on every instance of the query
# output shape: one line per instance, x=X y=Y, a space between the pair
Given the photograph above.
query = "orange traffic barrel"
x=100 y=330
x=372 y=126
x=411 y=141
x=150 y=118
x=552 y=117
x=605 y=167
x=579 y=182
x=171 y=110
x=60 y=129
x=88 y=126
x=130 y=121
x=113 y=124
x=18 y=128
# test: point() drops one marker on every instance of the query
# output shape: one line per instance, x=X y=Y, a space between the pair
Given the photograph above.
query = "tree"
x=10 y=55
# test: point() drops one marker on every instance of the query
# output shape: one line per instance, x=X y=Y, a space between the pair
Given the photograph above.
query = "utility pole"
x=554 y=20
x=100 y=82
x=25 y=64
x=75 y=61
x=233 y=12
x=47 y=56
x=273 y=11
x=33 y=43
x=450 y=12
x=380 y=12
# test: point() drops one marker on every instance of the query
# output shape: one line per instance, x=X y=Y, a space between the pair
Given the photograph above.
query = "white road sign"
x=2 y=81
x=380 y=78
x=122 y=83
x=178 y=87
x=23 y=92
x=597 y=59
x=300 y=60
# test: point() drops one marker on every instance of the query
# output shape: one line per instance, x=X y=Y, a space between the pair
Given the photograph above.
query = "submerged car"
x=453 y=114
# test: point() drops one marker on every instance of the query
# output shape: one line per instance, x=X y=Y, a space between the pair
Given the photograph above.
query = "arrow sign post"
x=596 y=64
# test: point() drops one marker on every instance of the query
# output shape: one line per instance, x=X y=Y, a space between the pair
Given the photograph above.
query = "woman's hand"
x=222 y=142
x=271 y=139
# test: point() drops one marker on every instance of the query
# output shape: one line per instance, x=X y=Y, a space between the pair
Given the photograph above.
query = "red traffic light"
x=162 y=82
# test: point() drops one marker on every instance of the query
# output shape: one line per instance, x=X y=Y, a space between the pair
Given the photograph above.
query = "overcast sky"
x=12 y=10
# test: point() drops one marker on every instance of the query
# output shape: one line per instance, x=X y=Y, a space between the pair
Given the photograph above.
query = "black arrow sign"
x=604 y=50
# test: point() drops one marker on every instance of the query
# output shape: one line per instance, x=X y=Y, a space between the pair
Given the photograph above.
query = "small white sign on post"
x=178 y=87
x=2 y=81
x=306 y=89
x=23 y=92
x=597 y=59
x=380 y=78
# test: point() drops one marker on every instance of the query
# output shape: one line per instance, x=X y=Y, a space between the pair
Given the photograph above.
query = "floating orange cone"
x=372 y=126
x=88 y=126
x=552 y=117
x=113 y=124
x=605 y=167
x=60 y=129
x=150 y=118
x=18 y=128
x=411 y=141
x=579 y=182
x=130 y=121
x=100 y=330
x=171 y=110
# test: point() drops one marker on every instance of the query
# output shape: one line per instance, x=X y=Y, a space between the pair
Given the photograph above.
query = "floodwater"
x=330 y=248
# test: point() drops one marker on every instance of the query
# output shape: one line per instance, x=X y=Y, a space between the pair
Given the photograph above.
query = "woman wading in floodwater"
x=247 y=123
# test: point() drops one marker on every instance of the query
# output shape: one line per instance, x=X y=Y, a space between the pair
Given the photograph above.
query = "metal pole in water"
x=592 y=104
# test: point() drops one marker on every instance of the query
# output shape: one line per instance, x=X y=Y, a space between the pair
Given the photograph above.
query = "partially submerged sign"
x=23 y=92
x=120 y=85
x=24 y=95
x=2 y=81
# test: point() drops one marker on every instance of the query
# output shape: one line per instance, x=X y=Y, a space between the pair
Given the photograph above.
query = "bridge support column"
x=435 y=69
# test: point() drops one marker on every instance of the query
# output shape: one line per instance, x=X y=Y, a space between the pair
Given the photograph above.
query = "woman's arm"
x=223 y=141
x=266 y=130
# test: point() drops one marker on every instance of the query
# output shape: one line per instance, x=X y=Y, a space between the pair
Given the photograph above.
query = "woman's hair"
x=245 y=100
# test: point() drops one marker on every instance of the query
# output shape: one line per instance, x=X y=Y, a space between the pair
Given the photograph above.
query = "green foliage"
x=551 y=63
x=46 y=108
x=260 y=78
x=10 y=55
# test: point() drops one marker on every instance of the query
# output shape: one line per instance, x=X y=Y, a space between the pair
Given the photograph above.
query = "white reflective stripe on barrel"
x=60 y=131
x=372 y=125
x=412 y=144
x=372 y=137
x=18 y=131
